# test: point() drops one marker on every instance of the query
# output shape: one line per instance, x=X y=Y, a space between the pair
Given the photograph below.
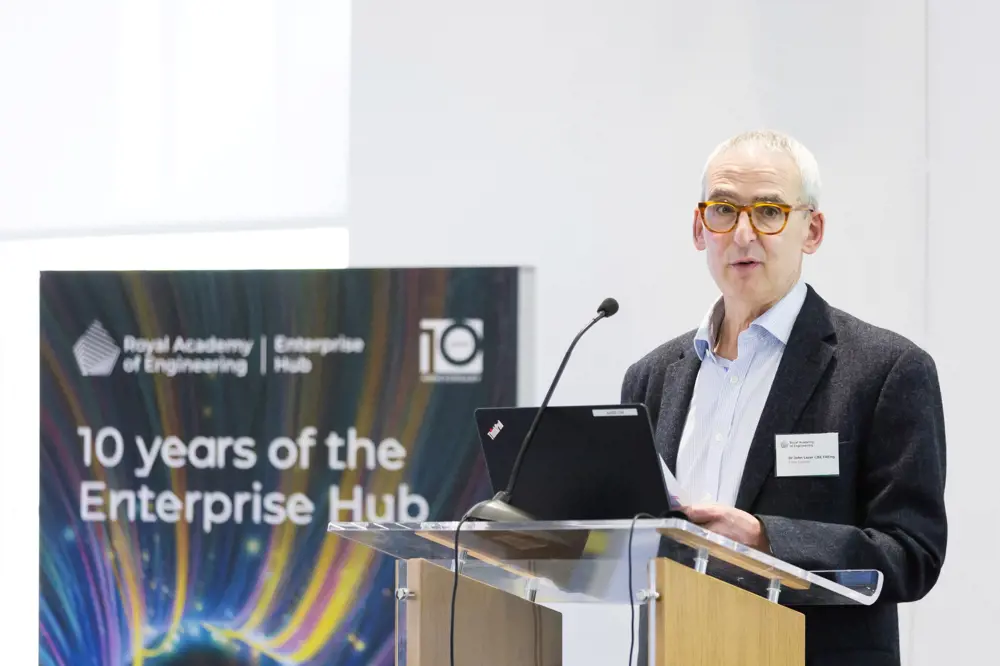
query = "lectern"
x=709 y=601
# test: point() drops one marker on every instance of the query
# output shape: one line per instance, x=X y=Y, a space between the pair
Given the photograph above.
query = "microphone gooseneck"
x=498 y=508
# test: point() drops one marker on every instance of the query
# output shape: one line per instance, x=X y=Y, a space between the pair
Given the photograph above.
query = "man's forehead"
x=740 y=168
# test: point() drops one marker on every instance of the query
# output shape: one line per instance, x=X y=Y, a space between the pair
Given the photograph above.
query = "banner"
x=199 y=430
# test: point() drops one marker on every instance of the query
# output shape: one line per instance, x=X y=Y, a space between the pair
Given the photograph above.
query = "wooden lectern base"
x=492 y=627
x=702 y=621
x=698 y=621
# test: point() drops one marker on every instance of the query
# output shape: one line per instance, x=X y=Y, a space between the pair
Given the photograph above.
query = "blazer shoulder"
x=871 y=339
x=667 y=352
x=653 y=363
x=875 y=348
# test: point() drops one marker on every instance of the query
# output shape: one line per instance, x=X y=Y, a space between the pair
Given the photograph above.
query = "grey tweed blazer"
x=884 y=511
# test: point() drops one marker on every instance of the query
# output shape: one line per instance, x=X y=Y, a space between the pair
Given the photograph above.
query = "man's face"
x=751 y=269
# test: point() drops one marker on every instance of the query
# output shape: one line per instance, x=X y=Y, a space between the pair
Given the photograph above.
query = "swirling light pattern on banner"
x=118 y=592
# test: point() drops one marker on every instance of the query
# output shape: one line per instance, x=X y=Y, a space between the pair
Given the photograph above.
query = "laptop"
x=594 y=462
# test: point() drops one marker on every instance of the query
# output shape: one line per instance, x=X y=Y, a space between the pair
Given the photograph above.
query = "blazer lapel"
x=807 y=355
x=678 y=387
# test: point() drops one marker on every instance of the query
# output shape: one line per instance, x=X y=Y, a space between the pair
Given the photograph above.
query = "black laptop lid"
x=584 y=462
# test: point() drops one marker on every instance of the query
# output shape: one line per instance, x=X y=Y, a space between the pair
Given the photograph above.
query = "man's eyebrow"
x=722 y=195
x=769 y=198
x=730 y=196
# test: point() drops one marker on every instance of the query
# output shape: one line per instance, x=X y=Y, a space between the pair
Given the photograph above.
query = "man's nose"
x=744 y=233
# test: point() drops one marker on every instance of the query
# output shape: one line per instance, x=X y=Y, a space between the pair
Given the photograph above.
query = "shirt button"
x=718 y=437
x=734 y=380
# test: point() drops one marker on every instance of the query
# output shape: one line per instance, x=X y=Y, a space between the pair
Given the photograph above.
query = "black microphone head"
x=609 y=307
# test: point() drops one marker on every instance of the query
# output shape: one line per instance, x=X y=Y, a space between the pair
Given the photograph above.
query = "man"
x=771 y=359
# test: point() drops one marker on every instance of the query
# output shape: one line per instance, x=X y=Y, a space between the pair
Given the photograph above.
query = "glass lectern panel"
x=588 y=561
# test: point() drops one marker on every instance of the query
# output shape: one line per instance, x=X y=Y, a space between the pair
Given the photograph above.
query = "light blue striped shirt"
x=728 y=399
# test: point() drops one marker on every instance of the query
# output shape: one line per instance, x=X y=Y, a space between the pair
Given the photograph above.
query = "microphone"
x=498 y=509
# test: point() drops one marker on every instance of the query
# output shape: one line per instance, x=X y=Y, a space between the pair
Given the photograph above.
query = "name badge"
x=807 y=455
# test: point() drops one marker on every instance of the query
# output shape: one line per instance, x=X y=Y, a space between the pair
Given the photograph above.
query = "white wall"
x=570 y=135
x=131 y=113
x=958 y=621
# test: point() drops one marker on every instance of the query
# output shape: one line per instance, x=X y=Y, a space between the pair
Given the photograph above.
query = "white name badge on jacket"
x=807 y=455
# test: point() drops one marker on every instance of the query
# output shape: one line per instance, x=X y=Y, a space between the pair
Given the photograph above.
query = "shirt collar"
x=778 y=320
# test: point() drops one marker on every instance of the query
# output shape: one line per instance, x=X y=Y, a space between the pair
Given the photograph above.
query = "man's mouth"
x=745 y=262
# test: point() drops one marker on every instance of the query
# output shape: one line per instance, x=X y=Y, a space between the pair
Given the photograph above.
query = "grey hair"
x=776 y=141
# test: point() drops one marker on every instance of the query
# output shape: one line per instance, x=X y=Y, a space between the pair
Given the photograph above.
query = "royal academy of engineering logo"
x=96 y=352
x=451 y=350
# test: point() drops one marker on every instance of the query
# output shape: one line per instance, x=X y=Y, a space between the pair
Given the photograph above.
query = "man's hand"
x=729 y=522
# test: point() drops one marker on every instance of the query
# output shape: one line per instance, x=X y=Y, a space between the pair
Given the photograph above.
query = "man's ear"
x=698 y=231
x=814 y=234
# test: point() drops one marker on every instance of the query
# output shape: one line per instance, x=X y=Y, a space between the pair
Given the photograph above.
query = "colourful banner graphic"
x=199 y=430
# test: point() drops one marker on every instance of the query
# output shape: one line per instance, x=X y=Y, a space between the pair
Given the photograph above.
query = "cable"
x=631 y=602
x=454 y=591
x=631 y=596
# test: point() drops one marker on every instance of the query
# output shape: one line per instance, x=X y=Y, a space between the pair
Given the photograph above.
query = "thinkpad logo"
x=96 y=352
x=495 y=430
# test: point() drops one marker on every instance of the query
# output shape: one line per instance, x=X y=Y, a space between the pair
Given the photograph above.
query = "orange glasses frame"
x=785 y=208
